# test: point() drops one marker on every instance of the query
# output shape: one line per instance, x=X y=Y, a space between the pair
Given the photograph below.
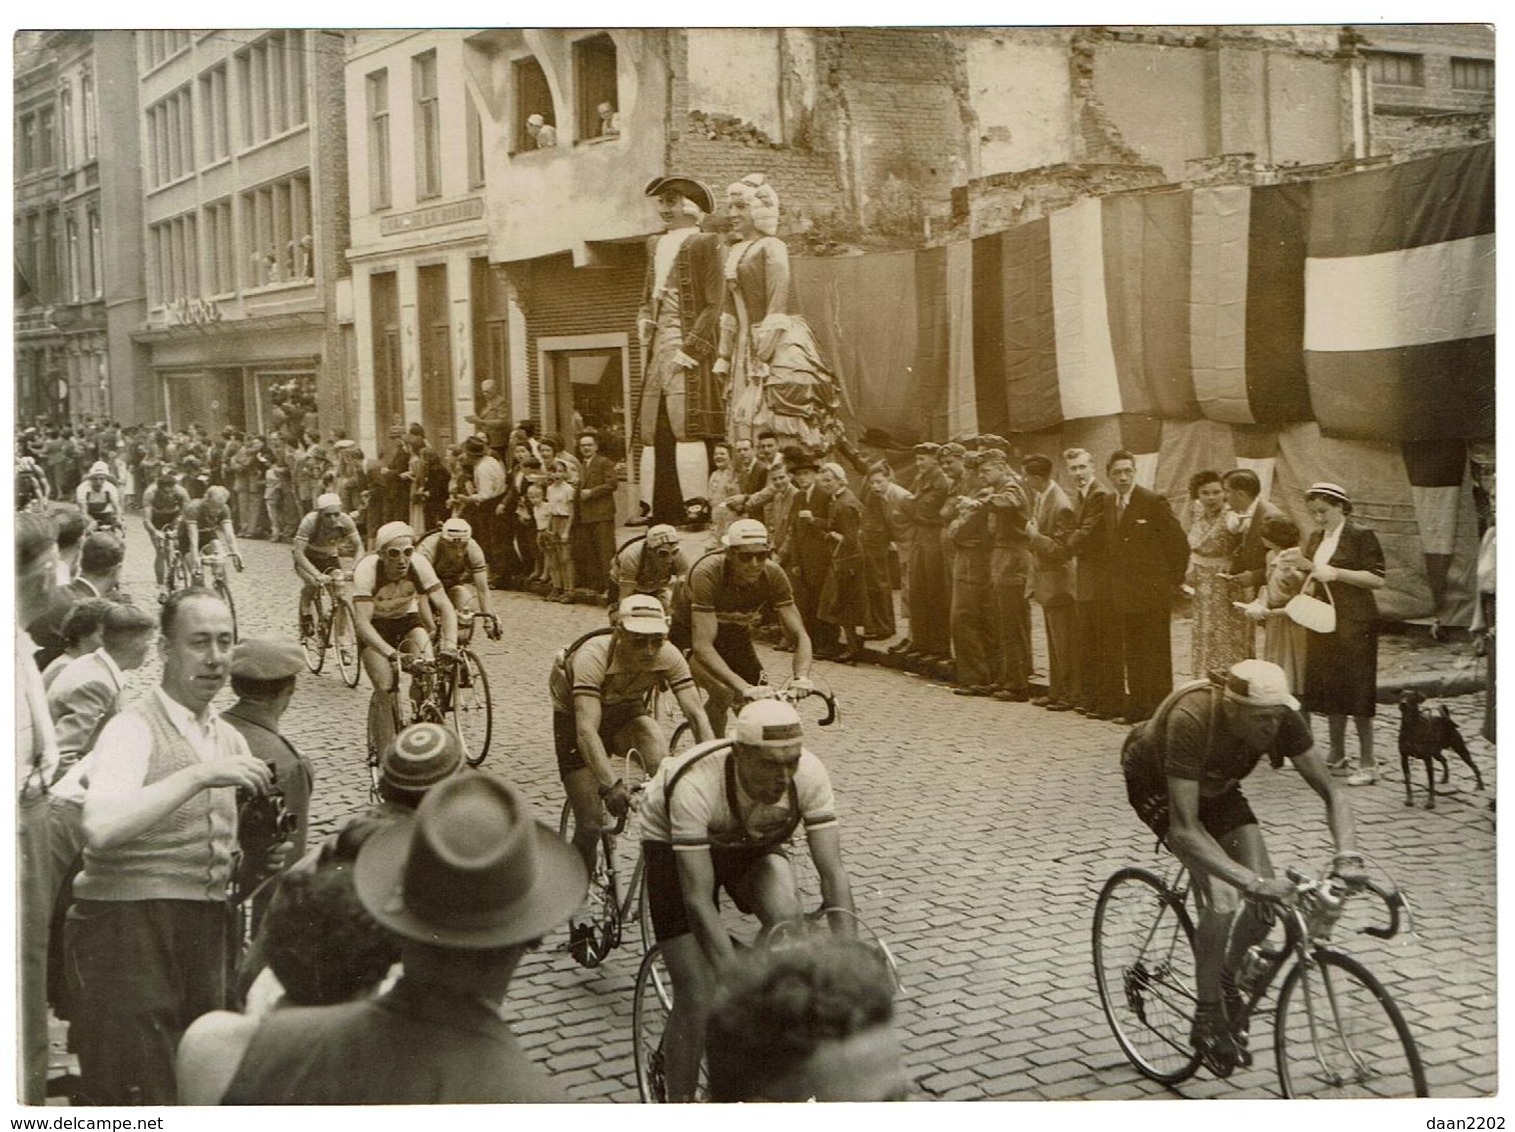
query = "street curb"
x=1432 y=685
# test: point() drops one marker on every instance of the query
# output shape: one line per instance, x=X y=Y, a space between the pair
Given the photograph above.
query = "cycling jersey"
x=702 y=809
x=711 y=588
x=165 y=506
x=601 y=674
x=453 y=567
x=647 y=573
x=205 y=514
x=98 y=502
x=329 y=535
x=393 y=599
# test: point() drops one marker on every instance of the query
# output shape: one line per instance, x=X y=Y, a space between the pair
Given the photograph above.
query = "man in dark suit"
x=1094 y=677
x=1246 y=513
x=808 y=550
x=594 y=523
x=99 y=576
x=1148 y=555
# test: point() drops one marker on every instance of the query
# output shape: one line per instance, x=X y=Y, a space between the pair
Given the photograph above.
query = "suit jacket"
x=1055 y=578
x=82 y=697
x=1358 y=549
x=1148 y=552
x=597 y=490
x=1251 y=557
x=806 y=546
x=1088 y=542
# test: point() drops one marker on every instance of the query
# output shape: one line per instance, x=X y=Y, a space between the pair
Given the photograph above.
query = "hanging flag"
x=1399 y=285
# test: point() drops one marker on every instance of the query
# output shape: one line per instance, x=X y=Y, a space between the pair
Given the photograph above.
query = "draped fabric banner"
x=1399 y=334
x=962 y=404
x=1218 y=302
x=1015 y=350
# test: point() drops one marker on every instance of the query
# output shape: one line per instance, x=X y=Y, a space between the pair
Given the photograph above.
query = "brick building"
x=244 y=221
x=78 y=207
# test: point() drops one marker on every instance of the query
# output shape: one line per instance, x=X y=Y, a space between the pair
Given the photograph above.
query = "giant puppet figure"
x=776 y=379
x=680 y=405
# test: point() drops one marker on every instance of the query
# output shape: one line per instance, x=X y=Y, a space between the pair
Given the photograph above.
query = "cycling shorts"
x=565 y=736
x=393 y=630
x=733 y=872
x=322 y=563
x=732 y=644
x=1220 y=814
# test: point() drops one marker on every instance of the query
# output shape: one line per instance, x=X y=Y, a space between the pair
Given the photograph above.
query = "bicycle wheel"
x=344 y=636
x=315 y=611
x=682 y=739
x=1144 y=965
x=472 y=712
x=651 y=1004
x=224 y=591
x=1337 y=1033
x=603 y=903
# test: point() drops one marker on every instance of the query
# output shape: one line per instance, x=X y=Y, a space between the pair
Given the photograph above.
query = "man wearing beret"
x=263 y=675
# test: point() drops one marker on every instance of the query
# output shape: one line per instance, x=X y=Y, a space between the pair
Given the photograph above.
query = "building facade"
x=244 y=222
x=77 y=212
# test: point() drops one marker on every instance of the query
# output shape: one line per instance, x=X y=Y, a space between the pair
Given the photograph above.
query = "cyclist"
x=326 y=539
x=649 y=565
x=387 y=590
x=31 y=484
x=205 y=525
x=99 y=497
x=600 y=686
x=1183 y=770
x=459 y=563
x=720 y=602
x=717 y=816
x=162 y=504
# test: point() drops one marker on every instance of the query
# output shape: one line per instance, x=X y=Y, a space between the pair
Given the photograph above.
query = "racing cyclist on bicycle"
x=99 y=497
x=650 y=565
x=1183 y=770
x=459 y=563
x=162 y=504
x=205 y=525
x=327 y=539
x=718 y=605
x=600 y=689
x=718 y=816
x=387 y=591
x=31 y=484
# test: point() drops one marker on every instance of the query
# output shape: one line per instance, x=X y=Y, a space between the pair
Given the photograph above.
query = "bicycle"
x=610 y=909
x=214 y=561
x=329 y=613
x=1349 y=1041
x=683 y=735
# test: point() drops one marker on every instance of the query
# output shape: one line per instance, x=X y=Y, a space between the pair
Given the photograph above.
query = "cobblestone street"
x=977 y=834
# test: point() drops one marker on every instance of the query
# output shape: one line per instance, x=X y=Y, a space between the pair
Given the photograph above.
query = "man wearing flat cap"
x=679 y=404
x=928 y=569
x=263 y=675
x=468 y=884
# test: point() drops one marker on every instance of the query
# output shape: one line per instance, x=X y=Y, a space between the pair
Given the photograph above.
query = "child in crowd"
x=533 y=516
x=560 y=497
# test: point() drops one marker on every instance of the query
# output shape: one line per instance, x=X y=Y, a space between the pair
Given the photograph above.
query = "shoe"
x=1082 y=710
x=1011 y=696
x=1212 y=1040
x=1363 y=778
x=640 y=521
x=1121 y=721
x=1339 y=768
x=901 y=648
x=1058 y=705
x=565 y=598
x=1102 y=716
x=973 y=690
x=1041 y=701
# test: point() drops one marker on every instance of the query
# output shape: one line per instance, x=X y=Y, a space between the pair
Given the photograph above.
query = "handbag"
x=1315 y=615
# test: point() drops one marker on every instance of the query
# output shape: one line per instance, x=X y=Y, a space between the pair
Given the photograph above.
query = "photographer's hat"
x=258 y=658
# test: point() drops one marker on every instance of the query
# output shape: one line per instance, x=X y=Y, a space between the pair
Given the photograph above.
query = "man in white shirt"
x=146 y=937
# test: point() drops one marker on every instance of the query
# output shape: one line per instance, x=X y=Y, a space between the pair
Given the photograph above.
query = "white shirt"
x=1239 y=521
x=130 y=743
x=667 y=251
x=36 y=741
x=1327 y=547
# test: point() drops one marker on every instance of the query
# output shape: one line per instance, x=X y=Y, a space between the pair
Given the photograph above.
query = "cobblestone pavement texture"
x=977 y=834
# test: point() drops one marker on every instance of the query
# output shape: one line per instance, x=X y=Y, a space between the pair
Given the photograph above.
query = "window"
x=96 y=276
x=276 y=224
x=1395 y=68
x=271 y=82
x=594 y=74
x=160 y=44
x=46 y=139
x=66 y=127
x=91 y=133
x=428 y=126
x=171 y=138
x=215 y=114
x=220 y=246
x=378 y=140
x=26 y=148
x=52 y=256
x=71 y=251
x=533 y=96
x=173 y=268
x=1473 y=74
x=474 y=126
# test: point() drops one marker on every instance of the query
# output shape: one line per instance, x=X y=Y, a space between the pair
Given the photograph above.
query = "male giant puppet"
x=681 y=404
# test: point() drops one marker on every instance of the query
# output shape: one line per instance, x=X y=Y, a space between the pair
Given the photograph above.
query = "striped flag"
x=1399 y=299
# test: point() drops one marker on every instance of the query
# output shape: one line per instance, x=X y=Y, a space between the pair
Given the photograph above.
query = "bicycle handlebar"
x=789 y=694
x=1336 y=890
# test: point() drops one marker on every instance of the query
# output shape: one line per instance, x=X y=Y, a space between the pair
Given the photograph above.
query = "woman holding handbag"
x=1341 y=666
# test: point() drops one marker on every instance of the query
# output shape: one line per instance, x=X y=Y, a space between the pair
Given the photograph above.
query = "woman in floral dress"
x=1222 y=633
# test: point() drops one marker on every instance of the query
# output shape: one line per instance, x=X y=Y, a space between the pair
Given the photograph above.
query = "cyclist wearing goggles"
x=600 y=688
x=648 y=566
x=392 y=621
x=460 y=566
x=723 y=598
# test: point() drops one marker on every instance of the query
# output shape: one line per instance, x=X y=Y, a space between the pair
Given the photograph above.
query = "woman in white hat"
x=1341 y=667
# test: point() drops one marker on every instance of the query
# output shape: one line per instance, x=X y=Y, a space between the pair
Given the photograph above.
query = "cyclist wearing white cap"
x=205 y=525
x=723 y=598
x=1183 y=770
x=649 y=565
x=459 y=562
x=599 y=688
x=718 y=816
x=387 y=588
x=99 y=496
x=326 y=539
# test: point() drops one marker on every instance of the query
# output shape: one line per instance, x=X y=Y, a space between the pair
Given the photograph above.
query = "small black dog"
x=1424 y=735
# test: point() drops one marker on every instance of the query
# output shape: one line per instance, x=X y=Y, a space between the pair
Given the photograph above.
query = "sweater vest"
x=188 y=854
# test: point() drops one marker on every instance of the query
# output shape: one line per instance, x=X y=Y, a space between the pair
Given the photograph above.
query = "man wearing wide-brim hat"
x=468 y=885
x=679 y=403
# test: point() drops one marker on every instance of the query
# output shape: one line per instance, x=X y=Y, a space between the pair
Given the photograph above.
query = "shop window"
x=533 y=96
x=595 y=89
